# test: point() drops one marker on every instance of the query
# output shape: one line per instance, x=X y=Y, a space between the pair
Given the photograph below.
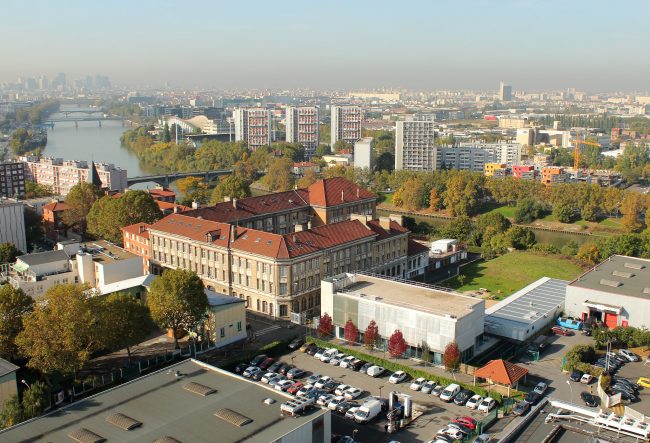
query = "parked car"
x=241 y=367
x=521 y=408
x=294 y=373
x=467 y=421
x=452 y=432
x=333 y=404
x=324 y=399
x=277 y=379
x=275 y=367
x=266 y=363
x=619 y=358
x=397 y=377
x=559 y=330
x=627 y=382
x=336 y=359
x=483 y=438
x=461 y=398
x=365 y=367
x=532 y=398
x=417 y=384
x=322 y=381
x=586 y=379
x=345 y=363
x=330 y=386
x=319 y=353
x=352 y=393
x=268 y=376
x=314 y=350
x=459 y=426
x=631 y=356
x=625 y=395
x=351 y=412
x=250 y=371
x=487 y=404
x=258 y=359
x=357 y=365
x=283 y=385
x=284 y=369
x=437 y=390
x=306 y=347
x=576 y=375
x=340 y=389
x=345 y=406
x=644 y=381
x=295 y=387
x=375 y=371
x=304 y=390
x=428 y=386
x=589 y=399
x=296 y=343
x=450 y=392
x=257 y=376
x=313 y=378
x=540 y=388
x=474 y=401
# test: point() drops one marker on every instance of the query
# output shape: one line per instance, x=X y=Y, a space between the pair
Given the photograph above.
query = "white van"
x=375 y=371
x=450 y=392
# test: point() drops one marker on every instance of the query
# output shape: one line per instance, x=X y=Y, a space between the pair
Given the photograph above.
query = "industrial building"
x=528 y=311
x=615 y=292
x=423 y=313
x=187 y=402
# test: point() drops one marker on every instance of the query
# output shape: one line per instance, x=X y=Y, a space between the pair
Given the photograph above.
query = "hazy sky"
x=532 y=44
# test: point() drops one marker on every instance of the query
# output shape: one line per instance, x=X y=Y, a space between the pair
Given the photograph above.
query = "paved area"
x=436 y=413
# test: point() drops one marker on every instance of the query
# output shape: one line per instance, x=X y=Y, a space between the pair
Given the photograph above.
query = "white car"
x=397 y=377
x=346 y=361
x=336 y=360
x=352 y=393
x=375 y=371
x=428 y=387
x=335 y=402
x=586 y=378
x=266 y=378
x=487 y=404
x=474 y=401
x=350 y=414
x=322 y=381
x=418 y=383
x=340 y=389
x=324 y=399
x=283 y=385
x=304 y=390
x=631 y=356
x=251 y=371
x=540 y=388
x=320 y=353
x=452 y=432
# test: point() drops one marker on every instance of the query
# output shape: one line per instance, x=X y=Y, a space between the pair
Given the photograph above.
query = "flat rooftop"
x=618 y=274
x=530 y=303
x=106 y=251
x=165 y=408
x=410 y=294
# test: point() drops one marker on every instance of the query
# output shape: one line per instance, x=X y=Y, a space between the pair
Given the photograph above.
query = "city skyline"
x=421 y=46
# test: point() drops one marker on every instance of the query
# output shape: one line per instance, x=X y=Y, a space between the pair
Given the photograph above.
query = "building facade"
x=364 y=153
x=12 y=179
x=226 y=323
x=415 y=148
x=135 y=239
x=12 y=224
x=474 y=156
x=302 y=126
x=253 y=126
x=61 y=175
x=346 y=123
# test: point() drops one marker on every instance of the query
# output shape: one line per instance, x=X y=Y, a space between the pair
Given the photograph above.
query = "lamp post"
x=25 y=383
x=292 y=359
x=571 y=389
x=354 y=435
x=380 y=386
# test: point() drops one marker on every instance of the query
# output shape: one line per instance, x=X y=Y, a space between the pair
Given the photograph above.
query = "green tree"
x=231 y=187
x=411 y=195
x=80 y=200
x=631 y=208
x=308 y=179
x=177 y=301
x=342 y=145
x=34 y=230
x=35 y=190
x=322 y=150
x=425 y=355
x=278 y=178
x=520 y=238
x=463 y=193
x=35 y=400
x=528 y=210
x=193 y=189
x=124 y=321
x=61 y=333
x=12 y=412
x=166 y=135
x=563 y=212
x=14 y=306
x=9 y=252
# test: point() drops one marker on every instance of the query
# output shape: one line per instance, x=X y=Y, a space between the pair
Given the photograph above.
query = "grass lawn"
x=506 y=211
x=511 y=272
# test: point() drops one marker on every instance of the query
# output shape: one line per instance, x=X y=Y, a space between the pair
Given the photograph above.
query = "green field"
x=506 y=211
x=511 y=272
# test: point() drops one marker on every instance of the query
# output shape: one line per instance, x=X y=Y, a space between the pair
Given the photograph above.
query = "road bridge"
x=166 y=179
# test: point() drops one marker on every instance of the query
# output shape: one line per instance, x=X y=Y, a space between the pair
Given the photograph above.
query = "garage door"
x=611 y=320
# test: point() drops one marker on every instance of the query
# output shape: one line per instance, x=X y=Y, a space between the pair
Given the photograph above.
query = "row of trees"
x=25 y=141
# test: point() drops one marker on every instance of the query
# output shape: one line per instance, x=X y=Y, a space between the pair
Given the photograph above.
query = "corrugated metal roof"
x=530 y=303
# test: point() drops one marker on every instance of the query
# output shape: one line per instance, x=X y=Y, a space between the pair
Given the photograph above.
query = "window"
x=283 y=288
x=284 y=310
x=258 y=305
x=222 y=332
x=238 y=326
x=264 y=306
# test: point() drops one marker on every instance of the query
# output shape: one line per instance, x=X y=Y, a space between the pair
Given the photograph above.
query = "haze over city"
x=422 y=45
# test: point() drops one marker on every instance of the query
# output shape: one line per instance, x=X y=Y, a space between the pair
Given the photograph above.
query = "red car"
x=559 y=330
x=266 y=363
x=294 y=388
x=468 y=422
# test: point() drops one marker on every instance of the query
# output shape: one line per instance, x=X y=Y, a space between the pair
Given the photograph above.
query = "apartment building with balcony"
x=302 y=126
x=524 y=171
x=346 y=123
x=553 y=174
x=12 y=179
x=253 y=126
x=61 y=175
x=415 y=148
x=474 y=156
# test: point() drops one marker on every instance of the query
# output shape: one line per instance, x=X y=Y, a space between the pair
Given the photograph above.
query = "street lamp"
x=380 y=386
x=354 y=435
x=25 y=383
x=571 y=388
x=292 y=359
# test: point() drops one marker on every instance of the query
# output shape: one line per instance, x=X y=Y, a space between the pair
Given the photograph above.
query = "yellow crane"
x=578 y=149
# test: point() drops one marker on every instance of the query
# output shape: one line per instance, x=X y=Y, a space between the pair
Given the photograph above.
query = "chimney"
x=309 y=225
x=233 y=233
x=175 y=209
x=234 y=203
x=357 y=192
x=384 y=222
x=342 y=199
x=196 y=205
x=226 y=199
x=294 y=238
x=299 y=228
x=141 y=229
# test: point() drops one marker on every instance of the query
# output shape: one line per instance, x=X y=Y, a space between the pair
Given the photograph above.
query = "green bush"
x=414 y=373
x=580 y=357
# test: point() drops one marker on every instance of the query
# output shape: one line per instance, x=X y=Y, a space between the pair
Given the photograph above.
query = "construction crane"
x=578 y=150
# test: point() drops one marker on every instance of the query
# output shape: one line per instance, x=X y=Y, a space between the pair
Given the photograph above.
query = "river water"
x=89 y=142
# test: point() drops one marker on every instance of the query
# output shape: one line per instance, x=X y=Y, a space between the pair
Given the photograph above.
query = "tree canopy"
x=231 y=186
x=14 y=306
x=109 y=215
x=9 y=252
x=80 y=200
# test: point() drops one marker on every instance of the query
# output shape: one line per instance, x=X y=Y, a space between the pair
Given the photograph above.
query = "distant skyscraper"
x=253 y=126
x=302 y=127
x=43 y=82
x=415 y=148
x=346 y=123
x=59 y=81
x=505 y=92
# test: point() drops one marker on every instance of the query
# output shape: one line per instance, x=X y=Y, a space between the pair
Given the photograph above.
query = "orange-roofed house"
x=501 y=372
x=53 y=219
x=135 y=239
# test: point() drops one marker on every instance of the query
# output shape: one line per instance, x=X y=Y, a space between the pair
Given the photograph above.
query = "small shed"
x=502 y=373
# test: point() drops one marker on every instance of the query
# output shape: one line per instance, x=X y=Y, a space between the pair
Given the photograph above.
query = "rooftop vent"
x=232 y=417
x=166 y=439
x=612 y=283
x=623 y=274
x=83 y=435
x=633 y=265
x=123 y=421
x=269 y=401
x=198 y=388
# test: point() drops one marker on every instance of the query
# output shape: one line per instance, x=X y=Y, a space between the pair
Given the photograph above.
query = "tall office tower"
x=303 y=127
x=346 y=123
x=505 y=92
x=415 y=148
x=253 y=126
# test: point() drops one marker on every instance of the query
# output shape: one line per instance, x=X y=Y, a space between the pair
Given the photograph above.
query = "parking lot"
x=435 y=413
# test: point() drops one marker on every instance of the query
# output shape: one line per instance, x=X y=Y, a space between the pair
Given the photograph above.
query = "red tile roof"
x=135 y=229
x=194 y=228
x=56 y=206
x=502 y=372
x=162 y=192
x=260 y=243
x=166 y=206
x=335 y=191
x=304 y=164
x=394 y=229
x=415 y=248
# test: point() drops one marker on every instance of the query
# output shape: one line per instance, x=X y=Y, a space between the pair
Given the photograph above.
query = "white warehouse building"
x=423 y=313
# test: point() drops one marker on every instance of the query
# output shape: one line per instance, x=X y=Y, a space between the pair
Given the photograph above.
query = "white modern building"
x=302 y=126
x=346 y=123
x=415 y=148
x=615 y=292
x=226 y=318
x=364 y=153
x=423 y=313
x=253 y=126
x=473 y=156
x=12 y=224
x=61 y=175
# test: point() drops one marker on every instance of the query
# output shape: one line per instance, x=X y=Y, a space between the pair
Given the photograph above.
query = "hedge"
x=414 y=373
x=580 y=357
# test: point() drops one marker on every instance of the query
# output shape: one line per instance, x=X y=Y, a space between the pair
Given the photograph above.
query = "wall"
x=635 y=309
x=116 y=270
x=227 y=317
x=307 y=432
x=8 y=387
x=12 y=225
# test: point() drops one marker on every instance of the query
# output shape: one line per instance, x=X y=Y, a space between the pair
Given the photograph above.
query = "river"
x=89 y=142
